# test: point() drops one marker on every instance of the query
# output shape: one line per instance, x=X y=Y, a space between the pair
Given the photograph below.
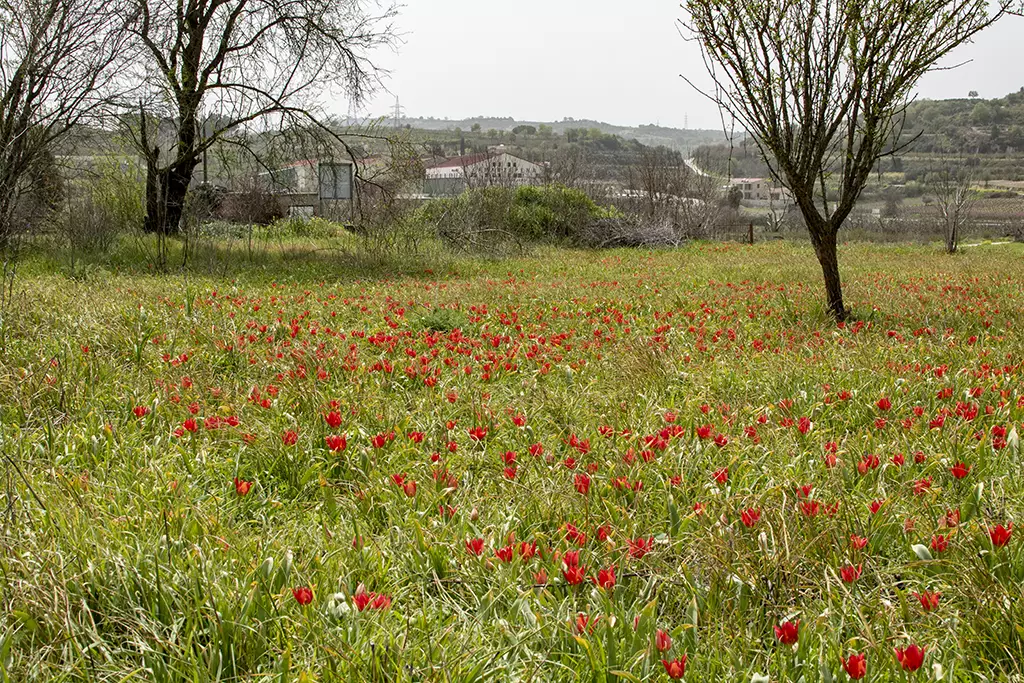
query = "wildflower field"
x=599 y=466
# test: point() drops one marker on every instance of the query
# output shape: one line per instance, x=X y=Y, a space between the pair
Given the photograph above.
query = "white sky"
x=608 y=60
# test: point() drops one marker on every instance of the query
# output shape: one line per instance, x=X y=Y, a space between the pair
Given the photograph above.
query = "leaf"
x=973 y=503
x=921 y=551
x=27 y=621
x=624 y=674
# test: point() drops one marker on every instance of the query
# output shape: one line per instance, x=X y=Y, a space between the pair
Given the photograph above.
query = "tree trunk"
x=825 y=248
x=165 y=197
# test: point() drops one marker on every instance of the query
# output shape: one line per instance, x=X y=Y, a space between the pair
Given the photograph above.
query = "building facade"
x=761 y=191
x=453 y=176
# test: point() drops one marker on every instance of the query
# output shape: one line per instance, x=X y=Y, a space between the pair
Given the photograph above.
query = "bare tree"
x=657 y=179
x=823 y=87
x=571 y=167
x=665 y=187
x=56 y=72
x=216 y=68
x=954 y=199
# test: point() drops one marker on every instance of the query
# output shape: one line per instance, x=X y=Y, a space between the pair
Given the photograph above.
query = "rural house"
x=761 y=191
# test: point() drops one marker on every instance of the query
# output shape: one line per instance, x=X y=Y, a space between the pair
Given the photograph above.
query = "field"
x=597 y=466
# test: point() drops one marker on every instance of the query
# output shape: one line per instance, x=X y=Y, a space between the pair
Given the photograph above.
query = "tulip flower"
x=788 y=631
x=675 y=669
x=855 y=665
x=910 y=657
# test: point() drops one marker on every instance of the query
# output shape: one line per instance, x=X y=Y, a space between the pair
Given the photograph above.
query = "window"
x=335 y=181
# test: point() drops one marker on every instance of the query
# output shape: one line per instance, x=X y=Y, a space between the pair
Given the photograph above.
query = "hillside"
x=652 y=135
x=985 y=134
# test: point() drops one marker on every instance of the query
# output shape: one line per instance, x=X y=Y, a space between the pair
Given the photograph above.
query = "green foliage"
x=299 y=226
x=527 y=213
x=107 y=203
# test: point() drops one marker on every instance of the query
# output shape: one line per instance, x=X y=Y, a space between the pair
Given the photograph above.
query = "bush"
x=110 y=203
x=528 y=213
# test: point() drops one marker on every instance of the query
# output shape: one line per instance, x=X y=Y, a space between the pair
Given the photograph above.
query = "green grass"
x=129 y=554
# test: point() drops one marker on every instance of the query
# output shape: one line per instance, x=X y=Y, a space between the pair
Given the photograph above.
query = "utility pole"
x=398 y=114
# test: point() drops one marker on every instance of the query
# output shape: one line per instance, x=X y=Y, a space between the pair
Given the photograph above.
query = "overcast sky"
x=613 y=61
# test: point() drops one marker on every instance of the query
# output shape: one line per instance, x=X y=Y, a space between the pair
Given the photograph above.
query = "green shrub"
x=526 y=213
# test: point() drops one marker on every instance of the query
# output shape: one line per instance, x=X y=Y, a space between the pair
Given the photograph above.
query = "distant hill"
x=970 y=126
x=987 y=134
x=684 y=141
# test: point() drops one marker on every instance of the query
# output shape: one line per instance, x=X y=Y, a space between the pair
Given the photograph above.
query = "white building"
x=761 y=191
x=496 y=167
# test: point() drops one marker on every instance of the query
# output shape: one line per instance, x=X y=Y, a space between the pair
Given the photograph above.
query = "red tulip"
x=850 y=573
x=911 y=657
x=662 y=641
x=940 y=543
x=810 y=508
x=303 y=595
x=605 y=578
x=585 y=624
x=410 y=488
x=675 y=669
x=582 y=483
x=140 y=411
x=1000 y=534
x=574 y=575
x=722 y=475
x=929 y=600
x=506 y=553
x=333 y=419
x=856 y=666
x=960 y=470
x=336 y=442
x=242 y=487
x=361 y=599
x=475 y=546
x=750 y=516
x=290 y=437
x=788 y=631
x=884 y=404
x=640 y=547
x=858 y=542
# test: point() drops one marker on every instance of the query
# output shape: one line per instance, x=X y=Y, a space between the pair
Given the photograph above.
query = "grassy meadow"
x=567 y=466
